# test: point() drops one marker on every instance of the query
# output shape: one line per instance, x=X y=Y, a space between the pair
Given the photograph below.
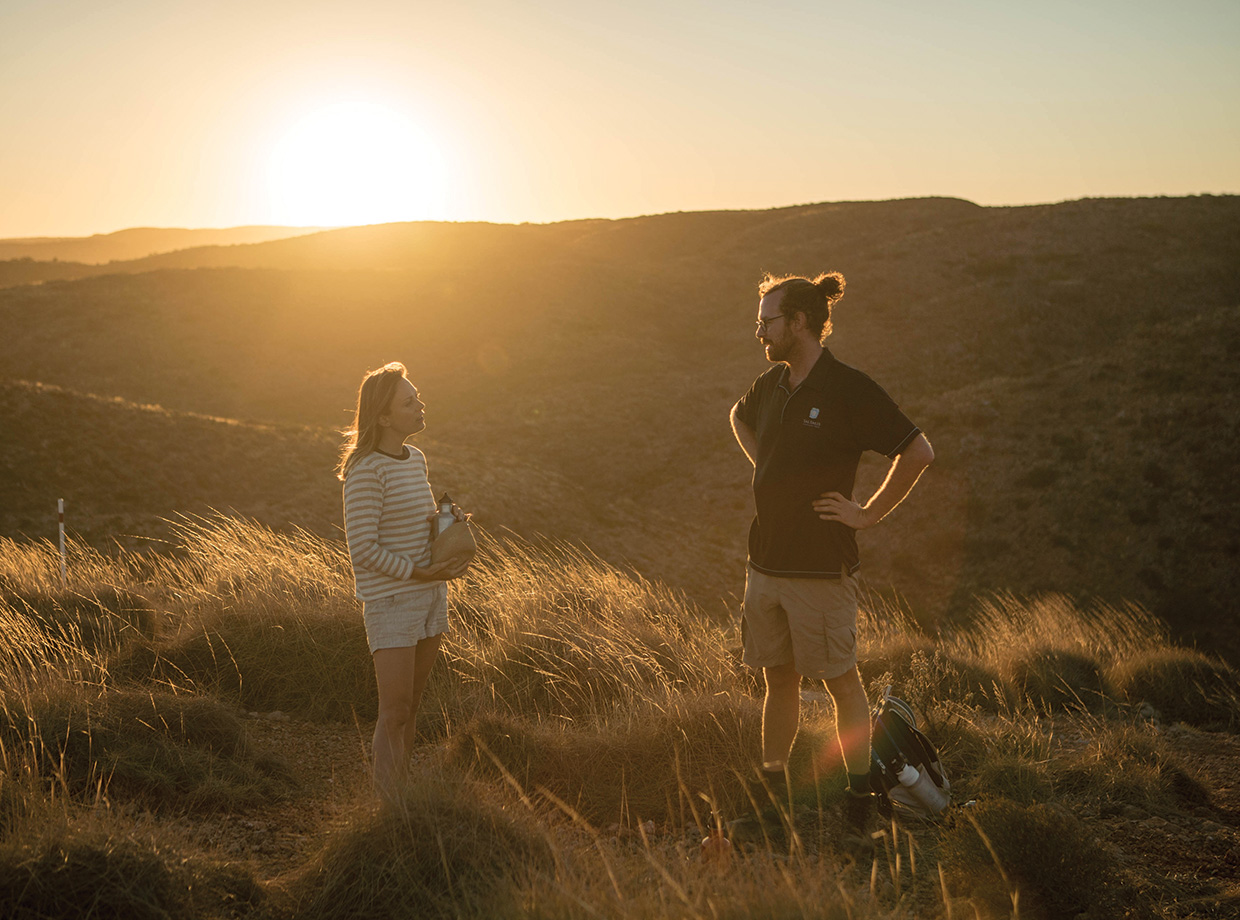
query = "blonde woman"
x=388 y=505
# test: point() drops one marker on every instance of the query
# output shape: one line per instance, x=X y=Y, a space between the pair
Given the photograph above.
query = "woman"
x=388 y=505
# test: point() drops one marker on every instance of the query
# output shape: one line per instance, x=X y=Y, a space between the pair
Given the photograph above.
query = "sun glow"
x=355 y=163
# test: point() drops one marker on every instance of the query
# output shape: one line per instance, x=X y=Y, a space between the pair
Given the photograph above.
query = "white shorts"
x=403 y=620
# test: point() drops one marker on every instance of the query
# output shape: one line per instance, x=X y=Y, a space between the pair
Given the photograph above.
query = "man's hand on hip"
x=833 y=506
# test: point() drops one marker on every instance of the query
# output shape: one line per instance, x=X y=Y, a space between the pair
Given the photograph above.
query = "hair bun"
x=831 y=284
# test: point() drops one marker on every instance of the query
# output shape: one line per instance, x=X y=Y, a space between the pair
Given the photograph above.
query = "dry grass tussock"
x=595 y=726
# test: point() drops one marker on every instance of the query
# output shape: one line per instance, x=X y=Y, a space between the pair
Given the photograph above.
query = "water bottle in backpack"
x=905 y=768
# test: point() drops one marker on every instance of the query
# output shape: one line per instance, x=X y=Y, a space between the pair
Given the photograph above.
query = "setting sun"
x=355 y=163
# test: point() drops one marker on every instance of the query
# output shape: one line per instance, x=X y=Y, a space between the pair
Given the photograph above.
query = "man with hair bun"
x=804 y=425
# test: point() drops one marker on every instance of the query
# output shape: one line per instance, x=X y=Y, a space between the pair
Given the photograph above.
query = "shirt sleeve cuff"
x=903 y=445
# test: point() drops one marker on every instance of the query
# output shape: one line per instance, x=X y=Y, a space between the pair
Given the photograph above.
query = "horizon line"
x=309 y=229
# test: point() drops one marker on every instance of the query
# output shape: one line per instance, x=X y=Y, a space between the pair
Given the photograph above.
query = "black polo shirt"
x=810 y=441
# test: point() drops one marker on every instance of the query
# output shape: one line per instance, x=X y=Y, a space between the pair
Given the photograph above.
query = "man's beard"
x=777 y=351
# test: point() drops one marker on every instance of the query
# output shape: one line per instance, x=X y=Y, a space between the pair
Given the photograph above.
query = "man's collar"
x=817 y=377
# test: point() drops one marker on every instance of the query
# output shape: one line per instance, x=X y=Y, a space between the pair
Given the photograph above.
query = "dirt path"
x=1192 y=860
x=328 y=761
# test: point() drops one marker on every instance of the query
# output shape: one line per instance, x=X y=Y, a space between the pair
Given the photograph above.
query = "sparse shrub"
x=1055 y=678
x=267 y=620
x=29 y=654
x=305 y=660
x=926 y=676
x=893 y=658
x=81 y=879
x=101 y=618
x=1156 y=475
x=1049 y=648
x=71 y=875
x=181 y=751
x=987 y=754
x=1003 y=623
x=1071 y=449
x=68 y=630
x=442 y=851
x=1039 y=854
x=1007 y=775
x=1127 y=764
x=1183 y=685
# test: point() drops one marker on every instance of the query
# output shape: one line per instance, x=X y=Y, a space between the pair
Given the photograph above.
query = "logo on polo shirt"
x=813 y=414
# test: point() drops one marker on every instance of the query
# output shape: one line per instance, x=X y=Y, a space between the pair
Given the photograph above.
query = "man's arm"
x=903 y=475
x=746 y=437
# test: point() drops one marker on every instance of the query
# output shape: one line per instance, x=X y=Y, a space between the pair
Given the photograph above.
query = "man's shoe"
x=858 y=812
x=772 y=816
x=771 y=825
x=857 y=816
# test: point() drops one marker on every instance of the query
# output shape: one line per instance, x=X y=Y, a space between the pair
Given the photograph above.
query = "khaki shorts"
x=810 y=623
x=403 y=620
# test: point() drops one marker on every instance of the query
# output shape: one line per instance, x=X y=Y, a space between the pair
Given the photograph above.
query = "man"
x=804 y=424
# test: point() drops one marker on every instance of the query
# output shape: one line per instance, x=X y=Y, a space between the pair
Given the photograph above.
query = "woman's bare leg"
x=394 y=673
x=423 y=662
x=401 y=674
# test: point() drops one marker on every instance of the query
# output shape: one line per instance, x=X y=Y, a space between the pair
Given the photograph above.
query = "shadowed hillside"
x=1073 y=365
x=27 y=271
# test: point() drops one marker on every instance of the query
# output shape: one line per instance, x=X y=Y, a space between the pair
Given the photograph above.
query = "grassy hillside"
x=129 y=471
x=183 y=737
x=1073 y=365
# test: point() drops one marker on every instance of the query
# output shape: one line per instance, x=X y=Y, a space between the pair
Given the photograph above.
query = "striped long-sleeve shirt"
x=386 y=504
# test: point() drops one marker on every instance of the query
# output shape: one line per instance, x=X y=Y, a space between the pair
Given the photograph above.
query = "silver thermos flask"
x=444 y=518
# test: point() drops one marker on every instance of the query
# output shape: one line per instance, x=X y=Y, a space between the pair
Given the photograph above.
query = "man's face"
x=772 y=330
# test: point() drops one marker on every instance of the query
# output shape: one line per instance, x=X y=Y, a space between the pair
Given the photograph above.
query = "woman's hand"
x=461 y=516
x=439 y=571
x=453 y=568
x=447 y=569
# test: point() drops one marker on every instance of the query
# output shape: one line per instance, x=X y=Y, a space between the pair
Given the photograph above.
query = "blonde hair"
x=374 y=398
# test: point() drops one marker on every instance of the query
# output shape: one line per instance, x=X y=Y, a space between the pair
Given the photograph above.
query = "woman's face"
x=406 y=414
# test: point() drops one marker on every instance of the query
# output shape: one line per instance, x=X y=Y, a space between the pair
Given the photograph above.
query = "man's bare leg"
x=852 y=721
x=781 y=711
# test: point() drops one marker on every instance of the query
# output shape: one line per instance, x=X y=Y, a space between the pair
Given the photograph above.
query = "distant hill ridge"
x=137 y=243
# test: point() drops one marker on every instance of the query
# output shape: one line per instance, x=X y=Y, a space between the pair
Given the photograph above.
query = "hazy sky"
x=165 y=113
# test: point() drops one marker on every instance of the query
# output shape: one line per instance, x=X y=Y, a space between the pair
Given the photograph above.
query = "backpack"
x=896 y=746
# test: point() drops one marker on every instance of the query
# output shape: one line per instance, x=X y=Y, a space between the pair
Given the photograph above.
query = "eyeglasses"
x=765 y=322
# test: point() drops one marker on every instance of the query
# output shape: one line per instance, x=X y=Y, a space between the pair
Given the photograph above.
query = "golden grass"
x=596 y=726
